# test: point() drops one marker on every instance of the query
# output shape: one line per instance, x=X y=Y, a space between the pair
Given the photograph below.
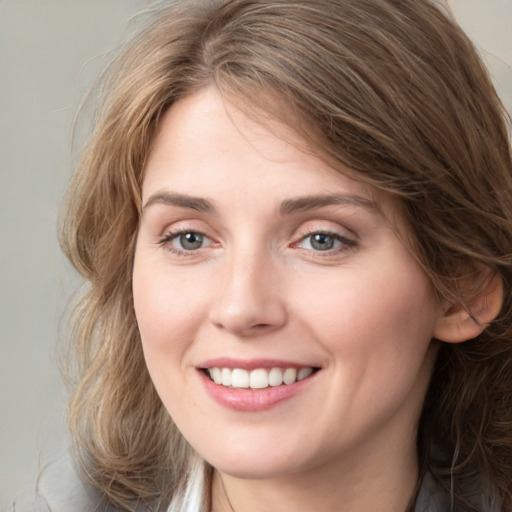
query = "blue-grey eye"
x=189 y=241
x=320 y=242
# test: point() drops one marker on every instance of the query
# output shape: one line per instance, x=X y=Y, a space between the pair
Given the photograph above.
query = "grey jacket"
x=61 y=490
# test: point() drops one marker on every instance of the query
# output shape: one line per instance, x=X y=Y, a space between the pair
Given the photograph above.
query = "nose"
x=250 y=300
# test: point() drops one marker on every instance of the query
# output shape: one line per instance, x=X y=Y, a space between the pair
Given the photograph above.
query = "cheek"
x=168 y=308
x=380 y=319
x=168 y=318
x=378 y=333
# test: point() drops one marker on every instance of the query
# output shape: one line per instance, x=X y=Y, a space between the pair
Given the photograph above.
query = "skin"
x=363 y=312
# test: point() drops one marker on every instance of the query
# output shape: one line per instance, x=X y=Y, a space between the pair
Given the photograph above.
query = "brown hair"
x=392 y=89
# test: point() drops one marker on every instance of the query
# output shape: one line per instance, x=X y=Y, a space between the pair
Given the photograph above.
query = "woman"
x=296 y=226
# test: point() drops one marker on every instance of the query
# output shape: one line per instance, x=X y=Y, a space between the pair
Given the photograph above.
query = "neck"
x=383 y=481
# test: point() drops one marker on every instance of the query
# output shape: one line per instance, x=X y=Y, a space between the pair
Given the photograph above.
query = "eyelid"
x=170 y=235
x=333 y=234
x=169 y=226
x=346 y=242
x=327 y=227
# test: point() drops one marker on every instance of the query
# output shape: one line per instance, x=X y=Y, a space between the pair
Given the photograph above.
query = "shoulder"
x=60 y=489
x=434 y=496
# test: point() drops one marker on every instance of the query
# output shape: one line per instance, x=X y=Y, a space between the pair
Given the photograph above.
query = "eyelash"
x=345 y=243
x=166 y=241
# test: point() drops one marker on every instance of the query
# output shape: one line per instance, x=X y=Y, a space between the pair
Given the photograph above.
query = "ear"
x=464 y=322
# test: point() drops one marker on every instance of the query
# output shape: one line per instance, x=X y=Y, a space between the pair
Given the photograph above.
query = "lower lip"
x=252 y=400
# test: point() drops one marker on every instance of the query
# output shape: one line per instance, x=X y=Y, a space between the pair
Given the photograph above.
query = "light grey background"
x=49 y=52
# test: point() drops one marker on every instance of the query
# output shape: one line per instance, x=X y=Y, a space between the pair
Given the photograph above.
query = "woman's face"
x=260 y=267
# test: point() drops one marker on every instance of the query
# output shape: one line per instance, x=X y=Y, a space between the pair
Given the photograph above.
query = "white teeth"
x=275 y=377
x=260 y=378
x=290 y=375
x=226 y=377
x=216 y=375
x=304 y=373
x=239 y=378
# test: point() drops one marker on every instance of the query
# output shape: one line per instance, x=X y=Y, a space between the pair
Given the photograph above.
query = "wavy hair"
x=392 y=89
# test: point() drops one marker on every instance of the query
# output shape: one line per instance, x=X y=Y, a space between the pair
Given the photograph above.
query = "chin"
x=251 y=471
x=267 y=464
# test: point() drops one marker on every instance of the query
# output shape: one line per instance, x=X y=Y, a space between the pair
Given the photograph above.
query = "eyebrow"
x=306 y=203
x=288 y=206
x=198 y=204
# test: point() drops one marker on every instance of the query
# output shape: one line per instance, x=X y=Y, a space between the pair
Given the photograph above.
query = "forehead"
x=216 y=126
x=207 y=145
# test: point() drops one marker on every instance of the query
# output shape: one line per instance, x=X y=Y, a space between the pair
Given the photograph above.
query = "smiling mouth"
x=260 y=378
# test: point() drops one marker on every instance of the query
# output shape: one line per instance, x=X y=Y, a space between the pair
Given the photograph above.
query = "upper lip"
x=252 y=364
